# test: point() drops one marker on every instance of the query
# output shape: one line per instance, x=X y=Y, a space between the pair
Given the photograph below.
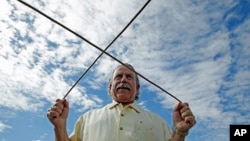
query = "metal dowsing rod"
x=102 y=51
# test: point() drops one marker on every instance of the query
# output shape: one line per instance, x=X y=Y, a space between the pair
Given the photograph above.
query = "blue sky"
x=197 y=50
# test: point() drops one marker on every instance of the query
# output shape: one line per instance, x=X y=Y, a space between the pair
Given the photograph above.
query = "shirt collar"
x=132 y=106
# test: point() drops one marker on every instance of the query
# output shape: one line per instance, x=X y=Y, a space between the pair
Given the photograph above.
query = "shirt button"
x=121 y=128
x=122 y=115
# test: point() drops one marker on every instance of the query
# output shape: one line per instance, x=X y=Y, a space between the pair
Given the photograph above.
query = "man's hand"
x=58 y=113
x=183 y=117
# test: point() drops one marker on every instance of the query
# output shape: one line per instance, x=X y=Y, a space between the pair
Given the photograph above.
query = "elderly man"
x=121 y=120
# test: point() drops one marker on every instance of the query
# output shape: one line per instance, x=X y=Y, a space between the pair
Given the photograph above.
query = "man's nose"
x=124 y=79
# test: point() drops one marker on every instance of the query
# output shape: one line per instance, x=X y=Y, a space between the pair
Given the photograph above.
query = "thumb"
x=65 y=108
x=176 y=113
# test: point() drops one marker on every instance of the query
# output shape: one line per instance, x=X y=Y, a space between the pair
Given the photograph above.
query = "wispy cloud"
x=197 y=50
x=3 y=126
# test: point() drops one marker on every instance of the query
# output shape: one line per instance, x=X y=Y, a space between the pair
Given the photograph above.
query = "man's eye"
x=130 y=77
x=118 y=76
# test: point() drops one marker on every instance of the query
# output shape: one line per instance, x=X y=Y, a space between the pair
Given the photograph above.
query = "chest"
x=125 y=124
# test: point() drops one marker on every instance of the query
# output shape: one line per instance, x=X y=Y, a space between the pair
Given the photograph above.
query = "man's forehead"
x=123 y=69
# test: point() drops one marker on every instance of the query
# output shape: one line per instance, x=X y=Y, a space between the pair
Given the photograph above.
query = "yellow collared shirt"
x=117 y=123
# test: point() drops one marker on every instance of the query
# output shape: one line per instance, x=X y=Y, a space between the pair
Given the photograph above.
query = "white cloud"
x=3 y=126
x=183 y=46
x=25 y=75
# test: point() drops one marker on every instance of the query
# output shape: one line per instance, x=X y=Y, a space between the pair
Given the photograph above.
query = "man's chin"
x=123 y=98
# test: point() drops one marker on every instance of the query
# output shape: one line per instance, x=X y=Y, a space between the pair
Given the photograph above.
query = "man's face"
x=123 y=93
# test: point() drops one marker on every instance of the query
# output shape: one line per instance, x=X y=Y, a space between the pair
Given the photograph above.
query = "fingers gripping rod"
x=102 y=51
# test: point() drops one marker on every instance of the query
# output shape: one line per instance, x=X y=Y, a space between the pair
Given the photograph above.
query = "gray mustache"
x=123 y=85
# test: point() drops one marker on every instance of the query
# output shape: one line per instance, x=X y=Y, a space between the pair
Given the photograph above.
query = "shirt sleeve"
x=76 y=135
x=167 y=133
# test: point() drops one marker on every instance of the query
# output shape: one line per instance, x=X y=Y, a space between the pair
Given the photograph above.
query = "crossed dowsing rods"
x=102 y=51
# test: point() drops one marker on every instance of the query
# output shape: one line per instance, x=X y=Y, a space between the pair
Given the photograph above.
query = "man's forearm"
x=61 y=134
x=177 y=137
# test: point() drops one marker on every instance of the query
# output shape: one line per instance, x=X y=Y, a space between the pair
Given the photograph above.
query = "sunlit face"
x=123 y=94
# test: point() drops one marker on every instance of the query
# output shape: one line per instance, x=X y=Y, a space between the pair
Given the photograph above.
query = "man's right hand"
x=58 y=113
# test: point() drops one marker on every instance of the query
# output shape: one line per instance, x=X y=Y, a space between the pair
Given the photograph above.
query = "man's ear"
x=137 y=87
x=109 y=87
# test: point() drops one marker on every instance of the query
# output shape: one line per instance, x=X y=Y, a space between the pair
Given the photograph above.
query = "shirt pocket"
x=144 y=132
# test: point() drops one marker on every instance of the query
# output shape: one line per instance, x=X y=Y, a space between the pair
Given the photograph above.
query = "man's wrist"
x=179 y=132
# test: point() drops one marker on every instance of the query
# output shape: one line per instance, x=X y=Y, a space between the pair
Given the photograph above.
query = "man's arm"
x=178 y=135
x=58 y=115
x=183 y=120
x=61 y=134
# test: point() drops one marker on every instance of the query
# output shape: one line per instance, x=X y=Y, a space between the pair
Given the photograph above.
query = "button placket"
x=126 y=124
x=121 y=115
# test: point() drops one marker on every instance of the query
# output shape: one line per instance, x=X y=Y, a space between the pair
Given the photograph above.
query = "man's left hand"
x=183 y=117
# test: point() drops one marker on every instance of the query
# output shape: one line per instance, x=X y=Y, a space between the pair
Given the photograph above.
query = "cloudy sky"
x=197 y=50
